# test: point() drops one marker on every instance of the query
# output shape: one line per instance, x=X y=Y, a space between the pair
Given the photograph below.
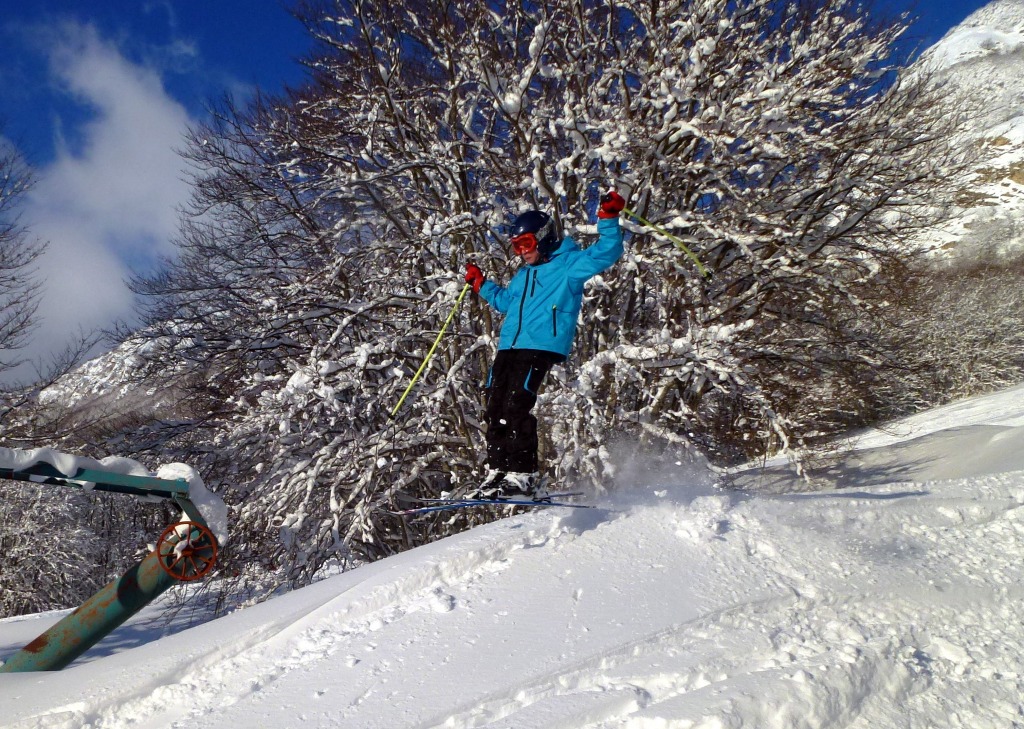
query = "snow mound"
x=210 y=505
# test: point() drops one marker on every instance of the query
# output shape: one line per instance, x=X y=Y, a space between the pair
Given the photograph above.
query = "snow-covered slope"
x=984 y=56
x=106 y=384
x=993 y=32
x=893 y=601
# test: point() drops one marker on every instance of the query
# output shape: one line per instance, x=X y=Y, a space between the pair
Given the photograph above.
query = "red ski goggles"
x=523 y=243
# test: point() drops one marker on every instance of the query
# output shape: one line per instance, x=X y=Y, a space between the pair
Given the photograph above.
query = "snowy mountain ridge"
x=997 y=29
x=983 y=57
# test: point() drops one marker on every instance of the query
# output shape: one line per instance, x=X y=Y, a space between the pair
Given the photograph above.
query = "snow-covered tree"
x=777 y=143
x=50 y=552
x=959 y=331
x=18 y=251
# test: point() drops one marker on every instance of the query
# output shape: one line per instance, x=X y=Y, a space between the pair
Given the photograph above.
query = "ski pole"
x=700 y=266
x=430 y=354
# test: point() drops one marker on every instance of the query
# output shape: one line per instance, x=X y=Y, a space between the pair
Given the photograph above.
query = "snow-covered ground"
x=895 y=600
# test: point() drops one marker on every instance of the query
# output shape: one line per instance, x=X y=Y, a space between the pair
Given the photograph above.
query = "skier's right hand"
x=474 y=277
x=612 y=204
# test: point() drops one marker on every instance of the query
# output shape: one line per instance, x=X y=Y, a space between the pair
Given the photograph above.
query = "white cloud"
x=109 y=200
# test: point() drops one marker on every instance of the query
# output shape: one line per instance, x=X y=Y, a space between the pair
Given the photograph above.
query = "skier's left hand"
x=612 y=204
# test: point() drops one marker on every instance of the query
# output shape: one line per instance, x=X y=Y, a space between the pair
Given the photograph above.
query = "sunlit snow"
x=890 y=600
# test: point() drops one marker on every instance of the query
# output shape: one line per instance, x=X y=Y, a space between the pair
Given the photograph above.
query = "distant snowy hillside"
x=106 y=385
x=101 y=378
x=993 y=33
x=984 y=55
x=893 y=601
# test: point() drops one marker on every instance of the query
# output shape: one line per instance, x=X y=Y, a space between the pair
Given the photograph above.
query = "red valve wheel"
x=187 y=550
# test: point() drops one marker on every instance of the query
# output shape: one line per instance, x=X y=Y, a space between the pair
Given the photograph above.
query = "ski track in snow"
x=881 y=606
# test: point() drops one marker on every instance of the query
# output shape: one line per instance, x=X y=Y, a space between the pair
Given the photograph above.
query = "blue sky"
x=934 y=17
x=97 y=95
x=200 y=49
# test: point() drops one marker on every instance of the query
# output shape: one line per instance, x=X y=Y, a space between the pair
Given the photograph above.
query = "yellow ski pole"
x=430 y=354
x=682 y=246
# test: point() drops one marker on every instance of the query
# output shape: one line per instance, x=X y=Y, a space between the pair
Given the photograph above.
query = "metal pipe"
x=96 y=618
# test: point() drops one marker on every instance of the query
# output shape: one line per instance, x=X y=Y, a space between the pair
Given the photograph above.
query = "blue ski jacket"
x=542 y=302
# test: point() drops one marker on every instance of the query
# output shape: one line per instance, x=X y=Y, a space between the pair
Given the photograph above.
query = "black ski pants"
x=512 y=389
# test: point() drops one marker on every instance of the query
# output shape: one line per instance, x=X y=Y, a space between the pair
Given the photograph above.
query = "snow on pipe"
x=175 y=481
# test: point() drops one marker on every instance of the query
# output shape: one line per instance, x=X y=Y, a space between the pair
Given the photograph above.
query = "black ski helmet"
x=541 y=225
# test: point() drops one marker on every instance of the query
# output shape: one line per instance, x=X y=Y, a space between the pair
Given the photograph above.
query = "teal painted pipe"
x=95 y=619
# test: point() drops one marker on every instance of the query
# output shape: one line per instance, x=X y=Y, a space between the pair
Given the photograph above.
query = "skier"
x=541 y=305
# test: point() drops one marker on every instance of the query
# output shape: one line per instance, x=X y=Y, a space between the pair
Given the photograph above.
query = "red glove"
x=474 y=277
x=611 y=205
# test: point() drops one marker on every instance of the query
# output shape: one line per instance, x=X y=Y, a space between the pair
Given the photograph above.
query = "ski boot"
x=501 y=485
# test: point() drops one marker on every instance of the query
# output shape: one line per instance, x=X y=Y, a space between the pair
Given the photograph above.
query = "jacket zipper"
x=554 y=320
x=522 y=303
